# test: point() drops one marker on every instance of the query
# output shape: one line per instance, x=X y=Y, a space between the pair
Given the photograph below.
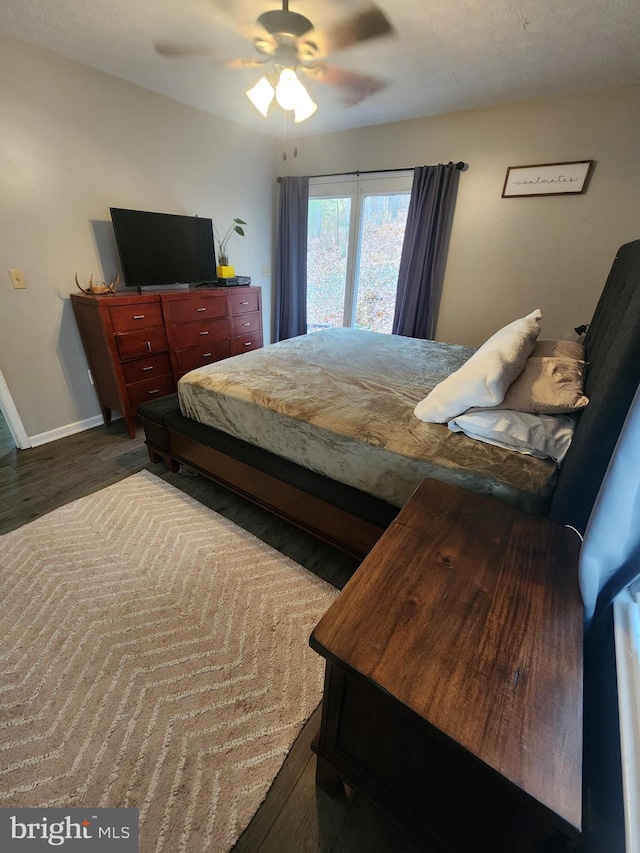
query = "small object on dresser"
x=224 y=270
x=243 y=279
x=99 y=287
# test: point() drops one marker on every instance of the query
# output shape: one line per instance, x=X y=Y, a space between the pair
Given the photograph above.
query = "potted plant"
x=223 y=269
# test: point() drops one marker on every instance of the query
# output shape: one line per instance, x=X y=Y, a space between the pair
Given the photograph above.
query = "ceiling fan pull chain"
x=284 y=135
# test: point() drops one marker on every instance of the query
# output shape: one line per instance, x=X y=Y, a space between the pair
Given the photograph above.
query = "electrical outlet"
x=266 y=271
x=17 y=279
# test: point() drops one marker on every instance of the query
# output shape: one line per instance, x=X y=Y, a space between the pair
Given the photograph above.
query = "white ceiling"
x=446 y=55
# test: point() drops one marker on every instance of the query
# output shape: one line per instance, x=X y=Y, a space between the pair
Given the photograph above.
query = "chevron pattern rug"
x=153 y=655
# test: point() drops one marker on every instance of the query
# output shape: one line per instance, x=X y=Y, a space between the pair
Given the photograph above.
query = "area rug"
x=153 y=655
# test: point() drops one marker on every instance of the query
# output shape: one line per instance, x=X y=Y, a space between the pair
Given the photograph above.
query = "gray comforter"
x=341 y=401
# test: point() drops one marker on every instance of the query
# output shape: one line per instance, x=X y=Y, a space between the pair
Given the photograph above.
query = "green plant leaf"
x=240 y=221
x=239 y=230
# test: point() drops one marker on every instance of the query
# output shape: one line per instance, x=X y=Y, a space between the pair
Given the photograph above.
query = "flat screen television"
x=161 y=249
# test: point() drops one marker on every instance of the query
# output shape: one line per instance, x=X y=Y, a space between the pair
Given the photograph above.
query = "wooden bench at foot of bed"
x=337 y=514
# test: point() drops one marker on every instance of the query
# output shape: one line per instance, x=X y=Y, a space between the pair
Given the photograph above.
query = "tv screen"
x=164 y=248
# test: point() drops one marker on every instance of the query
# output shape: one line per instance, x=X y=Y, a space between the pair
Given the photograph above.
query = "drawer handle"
x=247 y=343
x=201 y=309
x=138 y=316
x=149 y=345
x=244 y=303
x=204 y=333
x=206 y=355
x=157 y=390
x=246 y=324
x=148 y=368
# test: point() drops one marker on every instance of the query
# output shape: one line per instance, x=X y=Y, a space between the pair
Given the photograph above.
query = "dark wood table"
x=453 y=687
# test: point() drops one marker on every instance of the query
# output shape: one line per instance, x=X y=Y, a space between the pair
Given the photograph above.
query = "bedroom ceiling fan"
x=291 y=46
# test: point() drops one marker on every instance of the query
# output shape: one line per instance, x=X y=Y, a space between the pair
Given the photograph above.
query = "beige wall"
x=509 y=256
x=74 y=142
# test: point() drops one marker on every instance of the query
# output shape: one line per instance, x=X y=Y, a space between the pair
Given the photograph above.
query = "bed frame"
x=354 y=521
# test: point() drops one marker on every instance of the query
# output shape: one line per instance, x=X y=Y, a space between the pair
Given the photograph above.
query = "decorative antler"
x=98 y=287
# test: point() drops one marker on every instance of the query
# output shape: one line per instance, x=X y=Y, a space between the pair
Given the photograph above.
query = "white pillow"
x=544 y=436
x=482 y=381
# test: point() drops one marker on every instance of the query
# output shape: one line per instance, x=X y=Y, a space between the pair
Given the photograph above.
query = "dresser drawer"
x=141 y=392
x=144 y=315
x=244 y=343
x=205 y=307
x=246 y=323
x=192 y=334
x=138 y=344
x=146 y=368
x=244 y=302
x=193 y=357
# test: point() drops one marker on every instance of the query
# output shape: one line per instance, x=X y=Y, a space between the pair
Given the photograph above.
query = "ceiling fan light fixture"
x=288 y=89
x=305 y=108
x=292 y=95
x=261 y=95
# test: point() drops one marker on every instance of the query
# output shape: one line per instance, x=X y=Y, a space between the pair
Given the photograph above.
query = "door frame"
x=12 y=416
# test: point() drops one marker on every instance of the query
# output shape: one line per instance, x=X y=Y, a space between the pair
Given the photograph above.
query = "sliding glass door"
x=328 y=240
x=355 y=234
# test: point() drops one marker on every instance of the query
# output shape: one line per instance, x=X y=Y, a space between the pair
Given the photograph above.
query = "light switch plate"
x=17 y=279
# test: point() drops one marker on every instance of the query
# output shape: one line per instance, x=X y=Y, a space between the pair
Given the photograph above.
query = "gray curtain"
x=291 y=259
x=433 y=197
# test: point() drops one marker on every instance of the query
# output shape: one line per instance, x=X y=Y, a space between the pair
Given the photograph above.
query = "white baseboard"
x=64 y=431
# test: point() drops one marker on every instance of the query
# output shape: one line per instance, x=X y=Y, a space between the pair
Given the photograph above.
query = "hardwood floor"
x=296 y=816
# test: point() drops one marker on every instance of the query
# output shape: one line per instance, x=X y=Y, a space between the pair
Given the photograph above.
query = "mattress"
x=340 y=402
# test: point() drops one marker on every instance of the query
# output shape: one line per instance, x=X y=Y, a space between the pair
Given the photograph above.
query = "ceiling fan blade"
x=246 y=63
x=369 y=24
x=176 y=51
x=265 y=46
x=355 y=87
x=179 y=51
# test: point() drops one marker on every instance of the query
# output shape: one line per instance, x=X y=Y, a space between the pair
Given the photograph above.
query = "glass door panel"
x=383 y=221
x=327 y=261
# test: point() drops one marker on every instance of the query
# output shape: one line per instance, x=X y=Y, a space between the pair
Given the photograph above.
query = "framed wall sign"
x=547 y=179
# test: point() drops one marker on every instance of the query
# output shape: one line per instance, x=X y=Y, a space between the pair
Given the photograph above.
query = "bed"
x=321 y=429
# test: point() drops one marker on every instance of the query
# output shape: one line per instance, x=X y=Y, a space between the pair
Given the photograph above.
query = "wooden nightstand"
x=453 y=689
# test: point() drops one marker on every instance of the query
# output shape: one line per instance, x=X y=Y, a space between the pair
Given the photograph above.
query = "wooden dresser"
x=139 y=345
x=453 y=689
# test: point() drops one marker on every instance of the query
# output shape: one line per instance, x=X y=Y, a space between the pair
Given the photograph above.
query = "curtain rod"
x=460 y=166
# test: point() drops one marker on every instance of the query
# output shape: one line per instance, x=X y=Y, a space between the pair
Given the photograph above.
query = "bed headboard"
x=612 y=345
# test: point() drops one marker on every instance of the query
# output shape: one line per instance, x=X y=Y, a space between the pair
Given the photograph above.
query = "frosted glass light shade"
x=292 y=95
x=289 y=93
x=261 y=95
x=288 y=89
x=305 y=107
